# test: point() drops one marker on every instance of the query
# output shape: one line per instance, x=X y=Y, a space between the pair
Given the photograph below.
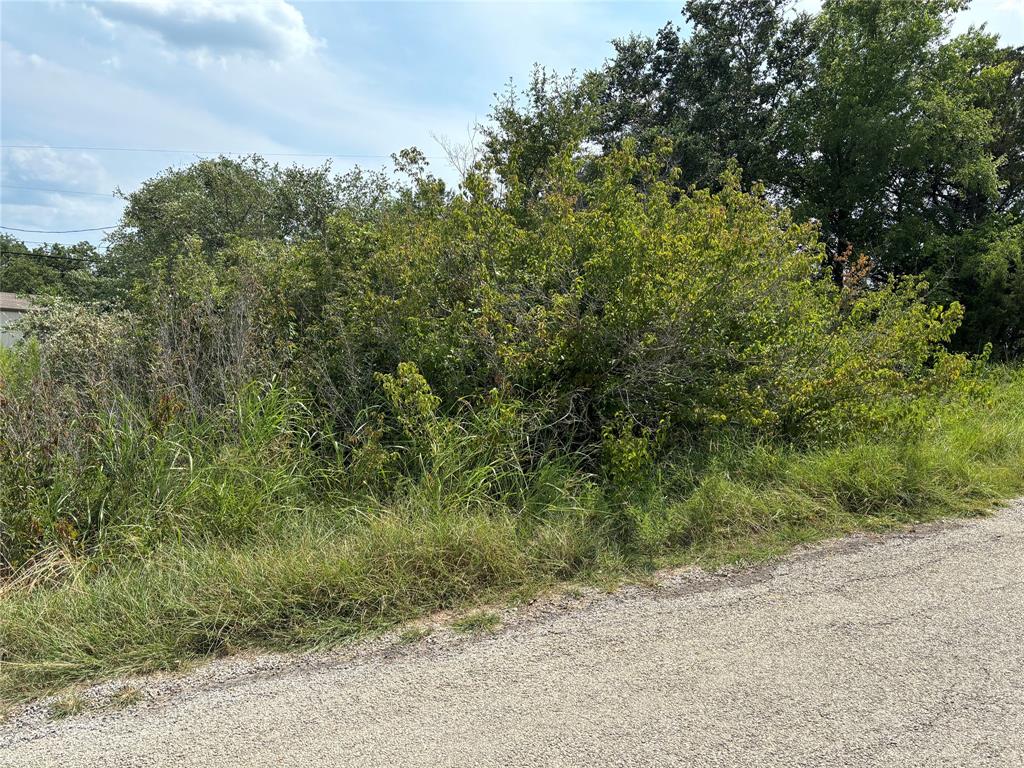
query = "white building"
x=12 y=309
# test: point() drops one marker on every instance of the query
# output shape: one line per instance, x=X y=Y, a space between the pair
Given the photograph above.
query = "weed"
x=314 y=572
x=413 y=635
x=477 y=622
x=125 y=697
x=66 y=706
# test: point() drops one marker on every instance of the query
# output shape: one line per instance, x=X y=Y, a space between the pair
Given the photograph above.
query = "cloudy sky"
x=293 y=80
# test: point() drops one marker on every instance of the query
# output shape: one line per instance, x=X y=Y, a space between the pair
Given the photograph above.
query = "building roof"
x=14 y=303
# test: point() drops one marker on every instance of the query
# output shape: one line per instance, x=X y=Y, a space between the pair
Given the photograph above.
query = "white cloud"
x=45 y=167
x=217 y=29
x=352 y=113
x=47 y=189
x=95 y=109
x=106 y=112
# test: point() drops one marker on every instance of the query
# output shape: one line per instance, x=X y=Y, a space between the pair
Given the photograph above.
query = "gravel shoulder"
x=905 y=649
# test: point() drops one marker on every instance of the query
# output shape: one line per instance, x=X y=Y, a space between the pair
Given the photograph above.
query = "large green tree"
x=213 y=202
x=718 y=93
x=900 y=139
x=1007 y=107
x=981 y=259
x=892 y=140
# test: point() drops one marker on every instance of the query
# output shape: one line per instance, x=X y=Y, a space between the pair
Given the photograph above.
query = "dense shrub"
x=317 y=575
x=451 y=395
x=611 y=293
x=480 y=334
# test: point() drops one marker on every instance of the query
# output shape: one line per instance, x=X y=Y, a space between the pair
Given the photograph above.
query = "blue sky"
x=212 y=76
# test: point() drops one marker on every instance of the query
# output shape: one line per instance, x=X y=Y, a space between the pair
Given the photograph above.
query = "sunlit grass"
x=270 y=572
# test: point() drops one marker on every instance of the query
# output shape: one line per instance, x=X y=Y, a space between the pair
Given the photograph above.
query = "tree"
x=892 y=140
x=718 y=94
x=217 y=201
x=551 y=117
x=981 y=260
x=52 y=270
x=902 y=141
x=1007 y=107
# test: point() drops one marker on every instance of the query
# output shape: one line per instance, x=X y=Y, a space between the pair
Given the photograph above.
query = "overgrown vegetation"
x=298 y=570
x=310 y=406
x=903 y=141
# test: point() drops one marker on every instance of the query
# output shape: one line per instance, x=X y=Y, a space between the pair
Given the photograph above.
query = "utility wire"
x=201 y=152
x=57 y=231
x=48 y=256
x=58 y=191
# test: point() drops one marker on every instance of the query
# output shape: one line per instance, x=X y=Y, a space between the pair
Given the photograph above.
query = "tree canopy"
x=899 y=139
x=52 y=270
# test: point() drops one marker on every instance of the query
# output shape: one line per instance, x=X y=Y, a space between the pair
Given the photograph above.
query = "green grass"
x=126 y=697
x=413 y=635
x=315 y=576
x=477 y=622
x=66 y=706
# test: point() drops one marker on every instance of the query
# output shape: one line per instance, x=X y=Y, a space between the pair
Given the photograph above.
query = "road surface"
x=904 y=650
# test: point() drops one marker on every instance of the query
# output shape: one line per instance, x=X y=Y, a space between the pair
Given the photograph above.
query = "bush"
x=316 y=575
x=443 y=335
x=453 y=394
x=611 y=293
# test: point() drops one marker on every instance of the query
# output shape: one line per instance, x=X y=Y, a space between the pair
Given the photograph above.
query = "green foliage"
x=327 y=574
x=920 y=149
x=1008 y=120
x=718 y=94
x=900 y=139
x=699 y=309
x=321 y=405
x=131 y=482
x=450 y=336
x=530 y=130
x=478 y=622
x=73 y=271
x=630 y=452
x=211 y=203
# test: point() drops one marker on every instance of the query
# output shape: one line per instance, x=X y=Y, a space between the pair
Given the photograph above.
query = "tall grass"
x=231 y=534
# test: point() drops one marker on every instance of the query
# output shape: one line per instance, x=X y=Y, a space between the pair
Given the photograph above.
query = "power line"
x=49 y=256
x=58 y=231
x=58 y=191
x=164 y=150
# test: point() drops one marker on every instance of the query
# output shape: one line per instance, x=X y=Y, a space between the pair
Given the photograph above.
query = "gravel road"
x=903 y=650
